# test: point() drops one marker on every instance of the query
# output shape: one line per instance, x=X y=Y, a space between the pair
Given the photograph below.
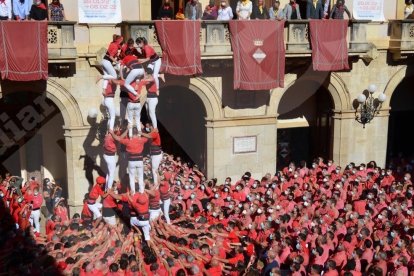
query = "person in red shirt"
x=165 y=198
x=94 y=194
x=155 y=150
x=109 y=207
x=36 y=201
x=134 y=69
x=152 y=96
x=140 y=203
x=151 y=56
x=111 y=57
x=109 y=156
x=134 y=147
x=154 y=201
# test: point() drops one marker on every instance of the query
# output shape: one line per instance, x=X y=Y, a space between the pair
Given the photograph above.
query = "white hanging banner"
x=368 y=10
x=99 y=11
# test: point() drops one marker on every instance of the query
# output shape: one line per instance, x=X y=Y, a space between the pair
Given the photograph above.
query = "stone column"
x=237 y=145
x=354 y=143
x=78 y=184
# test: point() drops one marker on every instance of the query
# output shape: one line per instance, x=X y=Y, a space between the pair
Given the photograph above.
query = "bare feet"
x=162 y=77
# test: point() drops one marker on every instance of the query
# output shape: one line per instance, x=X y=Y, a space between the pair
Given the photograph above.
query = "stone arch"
x=393 y=83
x=206 y=91
x=66 y=103
x=336 y=88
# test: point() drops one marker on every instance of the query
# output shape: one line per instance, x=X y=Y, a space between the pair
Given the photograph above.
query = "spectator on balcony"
x=38 y=11
x=244 y=9
x=260 y=11
x=225 y=12
x=339 y=9
x=56 y=11
x=193 y=10
x=292 y=11
x=275 y=12
x=21 y=9
x=5 y=10
x=409 y=8
x=166 y=11
x=210 y=11
x=315 y=9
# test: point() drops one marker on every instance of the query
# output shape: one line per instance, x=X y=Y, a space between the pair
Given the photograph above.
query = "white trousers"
x=144 y=225
x=132 y=76
x=166 y=210
x=151 y=105
x=35 y=220
x=110 y=220
x=136 y=169
x=154 y=214
x=155 y=164
x=110 y=176
x=134 y=112
x=109 y=72
x=110 y=106
x=156 y=66
x=95 y=209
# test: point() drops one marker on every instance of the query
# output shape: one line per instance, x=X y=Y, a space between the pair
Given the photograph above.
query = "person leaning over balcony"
x=260 y=11
x=210 y=11
x=409 y=8
x=339 y=9
x=166 y=11
x=244 y=9
x=225 y=12
x=314 y=9
x=193 y=10
x=38 y=11
x=5 y=10
x=275 y=12
x=21 y=9
x=56 y=11
x=292 y=11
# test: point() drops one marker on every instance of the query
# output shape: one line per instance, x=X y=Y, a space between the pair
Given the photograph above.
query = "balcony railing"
x=60 y=41
x=401 y=36
x=215 y=37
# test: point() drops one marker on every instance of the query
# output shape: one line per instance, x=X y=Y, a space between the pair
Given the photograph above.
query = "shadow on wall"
x=92 y=151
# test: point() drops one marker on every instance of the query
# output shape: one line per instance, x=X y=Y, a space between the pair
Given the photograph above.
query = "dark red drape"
x=329 y=46
x=23 y=50
x=258 y=54
x=180 y=43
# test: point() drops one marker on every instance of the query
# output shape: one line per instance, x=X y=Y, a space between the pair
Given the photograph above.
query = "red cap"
x=100 y=180
x=62 y=265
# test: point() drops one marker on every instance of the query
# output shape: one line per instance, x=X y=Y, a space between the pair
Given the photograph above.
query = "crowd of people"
x=356 y=220
x=31 y=10
x=246 y=9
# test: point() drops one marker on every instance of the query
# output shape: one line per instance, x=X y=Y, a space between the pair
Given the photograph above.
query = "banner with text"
x=99 y=11
x=368 y=10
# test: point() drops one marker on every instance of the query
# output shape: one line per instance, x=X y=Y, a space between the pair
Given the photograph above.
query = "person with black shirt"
x=260 y=11
x=38 y=11
x=292 y=11
x=166 y=11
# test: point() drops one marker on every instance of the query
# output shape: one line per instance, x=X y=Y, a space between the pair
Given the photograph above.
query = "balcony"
x=215 y=37
x=401 y=37
x=60 y=42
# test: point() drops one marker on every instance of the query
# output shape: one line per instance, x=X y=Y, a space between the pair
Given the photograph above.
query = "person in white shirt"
x=244 y=9
x=225 y=12
x=5 y=10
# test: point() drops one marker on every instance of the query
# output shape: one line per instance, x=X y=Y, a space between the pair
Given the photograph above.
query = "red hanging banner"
x=23 y=50
x=180 y=43
x=258 y=54
x=329 y=46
